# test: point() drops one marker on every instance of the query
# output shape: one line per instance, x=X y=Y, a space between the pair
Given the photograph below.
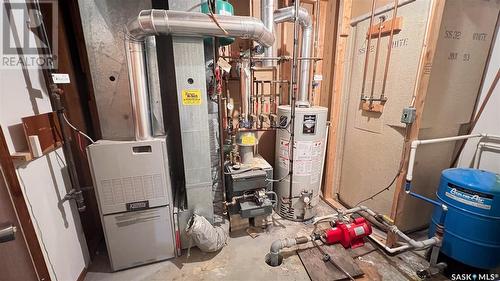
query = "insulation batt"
x=204 y=235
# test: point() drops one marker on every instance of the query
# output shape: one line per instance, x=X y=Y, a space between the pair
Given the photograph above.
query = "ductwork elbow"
x=287 y=14
x=143 y=25
x=261 y=34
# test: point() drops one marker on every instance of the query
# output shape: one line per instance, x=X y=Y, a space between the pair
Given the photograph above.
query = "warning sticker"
x=284 y=153
x=191 y=97
x=248 y=139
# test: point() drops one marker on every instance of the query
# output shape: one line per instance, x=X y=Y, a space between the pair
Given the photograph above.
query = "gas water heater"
x=308 y=159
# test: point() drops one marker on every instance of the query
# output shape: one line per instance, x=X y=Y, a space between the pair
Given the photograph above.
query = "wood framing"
x=336 y=96
x=421 y=86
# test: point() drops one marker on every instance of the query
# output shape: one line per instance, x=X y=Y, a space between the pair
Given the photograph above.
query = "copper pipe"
x=368 y=48
x=375 y=63
x=389 y=48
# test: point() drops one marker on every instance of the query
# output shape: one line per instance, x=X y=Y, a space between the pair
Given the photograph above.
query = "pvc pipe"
x=416 y=143
x=479 y=151
x=390 y=250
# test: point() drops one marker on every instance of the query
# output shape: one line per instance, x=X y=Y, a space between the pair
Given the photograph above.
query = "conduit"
x=163 y=22
x=287 y=14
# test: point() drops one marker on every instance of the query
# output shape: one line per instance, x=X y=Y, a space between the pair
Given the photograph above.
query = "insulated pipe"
x=390 y=250
x=162 y=22
x=266 y=15
x=245 y=91
x=287 y=14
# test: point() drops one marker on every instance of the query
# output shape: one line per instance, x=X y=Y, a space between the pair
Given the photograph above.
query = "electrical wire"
x=76 y=129
x=386 y=188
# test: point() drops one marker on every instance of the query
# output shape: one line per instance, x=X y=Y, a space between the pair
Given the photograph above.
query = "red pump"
x=350 y=235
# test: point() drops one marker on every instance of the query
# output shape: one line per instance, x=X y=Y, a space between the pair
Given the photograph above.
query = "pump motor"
x=349 y=235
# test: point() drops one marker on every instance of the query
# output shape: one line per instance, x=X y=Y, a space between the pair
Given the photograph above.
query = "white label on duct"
x=60 y=78
x=318 y=77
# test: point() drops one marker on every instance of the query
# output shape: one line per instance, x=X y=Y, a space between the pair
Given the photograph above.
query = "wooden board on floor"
x=320 y=270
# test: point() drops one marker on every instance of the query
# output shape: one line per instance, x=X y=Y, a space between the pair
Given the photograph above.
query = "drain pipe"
x=287 y=14
x=162 y=22
x=274 y=258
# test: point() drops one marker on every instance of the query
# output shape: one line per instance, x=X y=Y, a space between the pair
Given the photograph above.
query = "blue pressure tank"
x=472 y=225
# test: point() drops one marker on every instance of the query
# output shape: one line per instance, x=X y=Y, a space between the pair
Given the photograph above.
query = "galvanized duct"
x=287 y=14
x=157 y=22
x=266 y=15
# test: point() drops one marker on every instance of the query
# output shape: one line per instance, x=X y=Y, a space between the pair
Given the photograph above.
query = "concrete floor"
x=243 y=259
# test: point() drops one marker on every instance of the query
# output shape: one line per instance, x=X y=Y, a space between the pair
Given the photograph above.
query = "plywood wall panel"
x=372 y=144
x=373 y=141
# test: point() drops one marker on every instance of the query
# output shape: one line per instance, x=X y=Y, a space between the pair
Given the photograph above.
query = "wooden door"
x=15 y=260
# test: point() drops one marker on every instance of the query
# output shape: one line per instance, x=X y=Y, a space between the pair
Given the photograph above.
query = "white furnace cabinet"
x=133 y=190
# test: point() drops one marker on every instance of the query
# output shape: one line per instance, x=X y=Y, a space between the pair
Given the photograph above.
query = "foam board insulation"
x=373 y=142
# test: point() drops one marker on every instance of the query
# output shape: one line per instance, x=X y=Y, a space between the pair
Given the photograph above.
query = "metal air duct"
x=191 y=24
x=287 y=14
x=267 y=17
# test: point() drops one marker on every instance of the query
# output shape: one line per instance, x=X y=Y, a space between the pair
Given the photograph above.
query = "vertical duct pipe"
x=158 y=22
x=245 y=91
x=267 y=17
x=287 y=14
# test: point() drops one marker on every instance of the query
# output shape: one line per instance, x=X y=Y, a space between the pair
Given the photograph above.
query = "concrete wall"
x=488 y=123
x=44 y=181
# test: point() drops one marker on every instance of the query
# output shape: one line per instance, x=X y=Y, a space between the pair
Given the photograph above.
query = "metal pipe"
x=267 y=17
x=389 y=48
x=367 y=51
x=375 y=63
x=162 y=22
x=303 y=18
x=245 y=91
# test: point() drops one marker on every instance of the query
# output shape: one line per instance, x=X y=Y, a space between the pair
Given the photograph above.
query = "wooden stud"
x=422 y=84
x=335 y=101
x=386 y=27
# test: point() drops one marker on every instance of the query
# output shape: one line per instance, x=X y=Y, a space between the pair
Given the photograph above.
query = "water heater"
x=308 y=159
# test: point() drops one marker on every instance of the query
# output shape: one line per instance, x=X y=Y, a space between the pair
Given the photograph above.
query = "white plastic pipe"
x=416 y=143
x=479 y=151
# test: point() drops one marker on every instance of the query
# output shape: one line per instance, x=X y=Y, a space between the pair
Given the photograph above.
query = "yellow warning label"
x=248 y=139
x=191 y=97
